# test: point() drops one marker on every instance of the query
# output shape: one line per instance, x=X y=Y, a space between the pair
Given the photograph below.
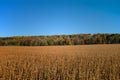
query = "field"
x=83 y=62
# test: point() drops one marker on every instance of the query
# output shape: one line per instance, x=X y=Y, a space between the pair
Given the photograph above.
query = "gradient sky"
x=51 y=17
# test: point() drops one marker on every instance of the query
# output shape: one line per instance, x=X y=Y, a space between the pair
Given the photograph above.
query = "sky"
x=53 y=17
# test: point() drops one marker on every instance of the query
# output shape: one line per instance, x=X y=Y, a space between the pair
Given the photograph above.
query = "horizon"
x=62 y=17
x=55 y=35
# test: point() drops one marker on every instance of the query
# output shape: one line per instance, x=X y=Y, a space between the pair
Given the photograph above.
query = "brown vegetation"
x=85 y=62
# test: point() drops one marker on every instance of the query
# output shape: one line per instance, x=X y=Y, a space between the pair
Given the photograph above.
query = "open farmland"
x=84 y=62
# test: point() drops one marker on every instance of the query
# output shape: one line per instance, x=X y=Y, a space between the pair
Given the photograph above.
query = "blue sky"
x=51 y=17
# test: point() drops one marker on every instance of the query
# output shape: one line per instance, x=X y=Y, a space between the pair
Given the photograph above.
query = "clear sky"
x=51 y=17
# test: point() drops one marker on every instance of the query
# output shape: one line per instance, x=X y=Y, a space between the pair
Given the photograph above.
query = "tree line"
x=76 y=39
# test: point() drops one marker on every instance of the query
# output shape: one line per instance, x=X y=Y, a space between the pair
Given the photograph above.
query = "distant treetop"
x=75 y=39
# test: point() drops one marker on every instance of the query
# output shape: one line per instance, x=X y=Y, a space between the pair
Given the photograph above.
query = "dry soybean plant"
x=84 y=62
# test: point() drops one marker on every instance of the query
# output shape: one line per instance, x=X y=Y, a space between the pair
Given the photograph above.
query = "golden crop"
x=84 y=62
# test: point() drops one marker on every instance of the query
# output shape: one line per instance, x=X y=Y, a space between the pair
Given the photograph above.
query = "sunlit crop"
x=84 y=62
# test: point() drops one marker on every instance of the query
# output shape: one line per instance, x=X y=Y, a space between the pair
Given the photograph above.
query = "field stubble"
x=84 y=62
